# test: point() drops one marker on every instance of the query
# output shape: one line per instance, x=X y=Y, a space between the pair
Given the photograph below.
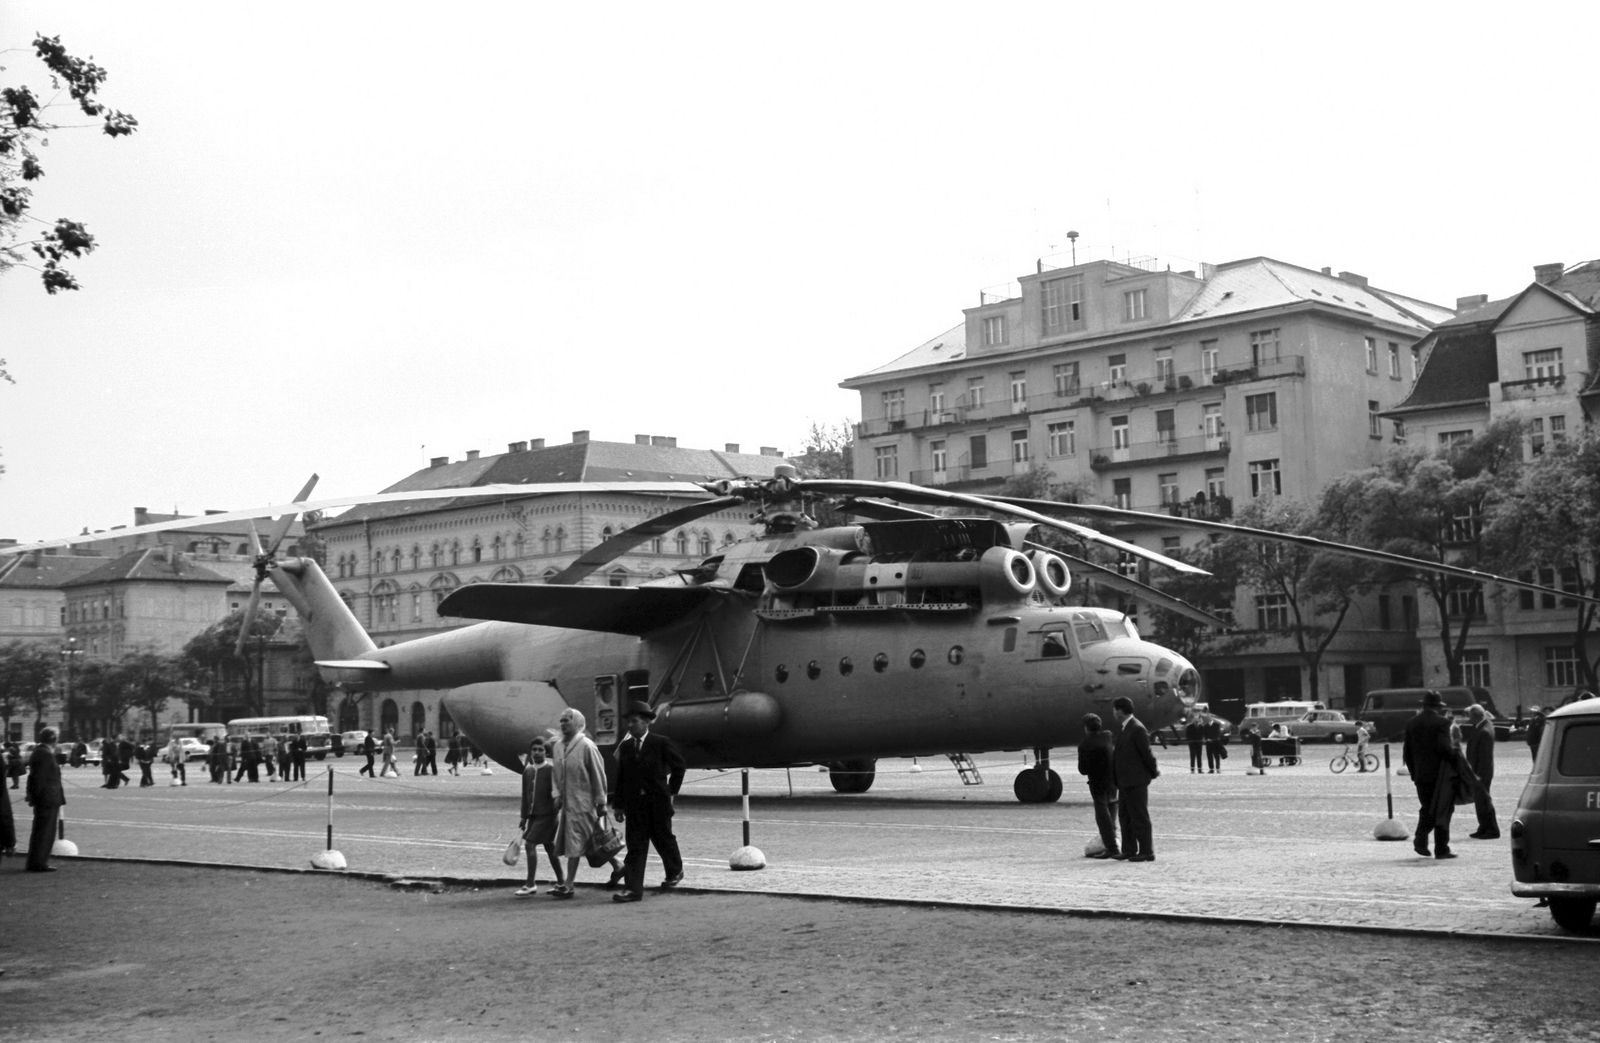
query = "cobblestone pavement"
x=1292 y=846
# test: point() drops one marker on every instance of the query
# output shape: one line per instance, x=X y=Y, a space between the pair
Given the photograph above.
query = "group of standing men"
x=1120 y=767
x=1206 y=736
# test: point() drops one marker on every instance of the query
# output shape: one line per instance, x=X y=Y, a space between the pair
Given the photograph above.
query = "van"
x=1388 y=709
x=1555 y=833
x=1263 y=716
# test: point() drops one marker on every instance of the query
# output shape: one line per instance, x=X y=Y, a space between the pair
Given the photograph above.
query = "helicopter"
x=903 y=634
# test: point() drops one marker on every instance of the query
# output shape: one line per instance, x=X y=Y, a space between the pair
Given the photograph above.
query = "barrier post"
x=62 y=845
x=746 y=857
x=1389 y=828
x=329 y=859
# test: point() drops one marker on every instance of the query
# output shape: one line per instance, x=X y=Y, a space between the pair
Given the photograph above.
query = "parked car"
x=1555 y=845
x=353 y=740
x=93 y=755
x=193 y=750
x=1319 y=725
x=1387 y=710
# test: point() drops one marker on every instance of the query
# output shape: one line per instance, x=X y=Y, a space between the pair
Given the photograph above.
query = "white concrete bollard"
x=746 y=858
x=328 y=860
x=1389 y=829
x=64 y=847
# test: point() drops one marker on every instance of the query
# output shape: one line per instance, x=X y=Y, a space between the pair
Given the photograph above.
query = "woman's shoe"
x=561 y=892
x=525 y=892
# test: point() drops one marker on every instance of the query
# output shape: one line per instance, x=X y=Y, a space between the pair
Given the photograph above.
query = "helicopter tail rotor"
x=265 y=560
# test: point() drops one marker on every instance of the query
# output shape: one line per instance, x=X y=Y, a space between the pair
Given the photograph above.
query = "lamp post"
x=69 y=655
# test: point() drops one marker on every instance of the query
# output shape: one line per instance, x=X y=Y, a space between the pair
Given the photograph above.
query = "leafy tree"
x=150 y=681
x=1214 y=592
x=103 y=696
x=26 y=669
x=828 y=453
x=26 y=122
x=213 y=673
x=1549 y=525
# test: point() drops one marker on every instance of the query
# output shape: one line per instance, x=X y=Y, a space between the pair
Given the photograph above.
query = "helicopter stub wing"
x=614 y=610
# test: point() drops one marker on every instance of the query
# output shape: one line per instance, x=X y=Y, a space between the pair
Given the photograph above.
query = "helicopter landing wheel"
x=852 y=776
x=1037 y=786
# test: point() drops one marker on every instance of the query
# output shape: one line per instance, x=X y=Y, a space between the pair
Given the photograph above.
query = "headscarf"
x=577 y=719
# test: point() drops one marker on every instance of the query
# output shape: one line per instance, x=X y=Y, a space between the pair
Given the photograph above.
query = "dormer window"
x=1133 y=306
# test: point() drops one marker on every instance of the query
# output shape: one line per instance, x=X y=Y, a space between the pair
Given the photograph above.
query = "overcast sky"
x=348 y=237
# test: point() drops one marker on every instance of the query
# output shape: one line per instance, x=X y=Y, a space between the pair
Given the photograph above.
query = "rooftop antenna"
x=1072 y=237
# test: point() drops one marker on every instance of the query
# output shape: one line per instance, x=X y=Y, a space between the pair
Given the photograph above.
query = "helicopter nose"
x=502 y=718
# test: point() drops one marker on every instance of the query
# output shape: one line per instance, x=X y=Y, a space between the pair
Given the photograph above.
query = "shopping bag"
x=603 y=844
x=513 y=849
x=1222 y=751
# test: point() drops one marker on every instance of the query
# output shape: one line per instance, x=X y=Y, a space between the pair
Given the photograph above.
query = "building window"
x=1385 y=620
x=617 y=577
x=1263 y=347
x=1560 y=667
x=1400 y=432
x=1117 y=369
x=940 y=458
x=1394 y=360
x=1063 y=438
x=1265 y=478
x=1208 y=360
x=703 y=544
x=1211 y=416
x=477 y=549
x=1062 y=304
x=1120 y=438
x=1122 y=493
x=561 y=538
x=1416 y=360
x=974 y=392
x=887 y=459
x=1216 y=483
x=994 y=330
x=1261 y=412
x=1542 y=365
x=680 y=544
x=1133 y=306
x=1536 y=436
x=936 y=401
x=1166 y=428
x=1475 y=667
x=1450 y=439
x=1019 y=392
x=1066 y=377
x=1372 y=354
x=1019 y=447
x=1464 y=526
x=1558 y=429
x=1463 y=603
x=1127 y=566
x=416 y=557
x=978 y=451
x=1166 y=375
x=894 y=404
x=1169 y=544
x=1272 y=612
x=435 y=555
x=497 y=547
x=658 y=545
x=416 y=608
x=1374 y=422
x=1167 y=484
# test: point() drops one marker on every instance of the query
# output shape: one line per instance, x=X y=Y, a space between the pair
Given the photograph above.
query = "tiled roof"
x=1581 y=282
x=150 y=565
x=948 y=346
x=1261 y=282
x=1459 y=365
x=591 y=461
x=47 y=571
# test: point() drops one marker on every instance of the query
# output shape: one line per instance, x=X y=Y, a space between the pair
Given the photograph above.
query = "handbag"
x=603 y=843
x=513 y=849
x=1222 y=751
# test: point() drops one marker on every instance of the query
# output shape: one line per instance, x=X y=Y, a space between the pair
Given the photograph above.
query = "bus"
x=314 y=729
x=204 y=731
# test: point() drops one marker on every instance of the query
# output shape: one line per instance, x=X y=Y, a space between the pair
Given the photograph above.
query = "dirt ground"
x=132 y=952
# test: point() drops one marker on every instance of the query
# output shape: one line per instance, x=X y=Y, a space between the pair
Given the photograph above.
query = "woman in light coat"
x=578 y=784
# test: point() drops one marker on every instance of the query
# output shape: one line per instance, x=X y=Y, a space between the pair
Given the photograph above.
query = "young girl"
x=538 y=823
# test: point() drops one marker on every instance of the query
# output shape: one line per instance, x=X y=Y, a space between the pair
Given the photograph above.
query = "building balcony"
x=1539 y=387
x=1162 y=450
x=1219 y=508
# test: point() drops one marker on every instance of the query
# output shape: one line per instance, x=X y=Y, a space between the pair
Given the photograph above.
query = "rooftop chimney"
x=579 y=437
x=141 y=516
x=535 y=443
x=516 y=447
x=1353 y=279
x=1545 y=274
x=641 y=439
x=730 y=447
x=1477 y=300
x=438 y=461
x=472 y=454
x=658 y=439
x=1326 y=270
x=768 y=450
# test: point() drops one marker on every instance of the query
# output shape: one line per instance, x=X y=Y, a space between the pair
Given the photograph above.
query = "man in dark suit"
x=370 y=748
x=433 y=753
x=1427 y=749
x=1194 y=733
x=1480 y=758
x=297 y=757
x=1213 y=746
x=649 y=773
x=1094 y=762
x=46 y=796
x=1135 y=767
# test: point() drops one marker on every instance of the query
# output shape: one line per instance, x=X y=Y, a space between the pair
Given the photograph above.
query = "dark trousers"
x=1436 y=807
x=1213 y=756
x=43 y=837
x=217 y=771
x=144 y=774
x=8 y=825
x=1194 y=756
x=433 y=763
x=1104 y=796
x=180 y=771
x=649 y=822
x=298 y=765
x=1133 y=808
x=1487 y=823
x=368 y=769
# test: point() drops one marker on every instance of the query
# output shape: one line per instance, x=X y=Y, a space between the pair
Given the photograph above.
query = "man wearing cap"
x=1480 y=758
x=1427 y=748
x=649 y=773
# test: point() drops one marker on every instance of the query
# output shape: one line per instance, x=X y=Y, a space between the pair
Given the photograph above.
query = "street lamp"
x=69 y=655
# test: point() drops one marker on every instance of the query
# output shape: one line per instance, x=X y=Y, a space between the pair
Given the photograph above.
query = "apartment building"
x=1166 y=391
x=1534 y=357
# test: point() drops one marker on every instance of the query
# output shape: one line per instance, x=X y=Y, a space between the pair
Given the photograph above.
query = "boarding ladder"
x=967 y=770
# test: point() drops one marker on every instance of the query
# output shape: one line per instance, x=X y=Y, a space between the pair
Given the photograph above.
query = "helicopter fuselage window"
x=918 y=657
x=880 y=662
x=1053 y=645
x=783 y=673
x=846 y=667
x=813 y=670
x=1088 y=632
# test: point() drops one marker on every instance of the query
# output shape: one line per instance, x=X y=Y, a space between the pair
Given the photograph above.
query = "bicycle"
x=1347 y=758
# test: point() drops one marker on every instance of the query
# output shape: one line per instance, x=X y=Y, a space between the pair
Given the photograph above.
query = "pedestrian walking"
x=124 y=759
x=578 y=785
x=47 y=798
x=1215 y=745
x=217 y=760
x=452 y=755
x=1363 y=737
x=419 y=754
x=1536 y=729
x=267 y=751
x=11 y=758
x=1480 y=758
x=1426 y=752
x=1094 y=763
x=1194 y=733
x=649 y=774
x=433 y=753
x=389 y=765
x=538 y=822
x=297 y=757
x=286 y=756
x=177 y=756
x=108 y=765
x=370 y=748
x=1135 y=768
x=145 y=754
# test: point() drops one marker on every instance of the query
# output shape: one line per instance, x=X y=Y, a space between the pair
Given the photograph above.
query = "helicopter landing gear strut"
x=852 y=776
x=1038 y=784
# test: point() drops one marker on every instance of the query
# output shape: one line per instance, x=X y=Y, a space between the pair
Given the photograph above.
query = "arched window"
x=506 y=574
x=434 y=555
x=349 y=716
x=618 y=577
x=517 y=545
x=385 y=603
x=657 y=545
x=477 y=549
x=455 y=552
x=561 y=539
x=395 y=560
x=377 y=563
x=419 y=719
x=547 y=540
x=389 y=718
x=497 y=547
x=607 y=532
x=442 y=585
x=727 y=538
x=681 y=543
x=416 y=556
x=705 y=541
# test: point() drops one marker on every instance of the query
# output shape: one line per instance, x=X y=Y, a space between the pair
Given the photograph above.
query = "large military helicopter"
x=904 y=634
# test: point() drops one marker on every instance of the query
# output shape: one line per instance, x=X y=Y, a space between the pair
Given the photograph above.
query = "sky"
x=350 y=237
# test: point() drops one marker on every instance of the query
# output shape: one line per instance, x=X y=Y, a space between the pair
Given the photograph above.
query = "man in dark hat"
x=47 y=797
x=649 y=772
x=1427 y=749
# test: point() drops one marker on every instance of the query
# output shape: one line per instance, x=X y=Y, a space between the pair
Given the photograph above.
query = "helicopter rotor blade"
x=285 y=522
x=878 y=510
x=255 y=540
x=1308 y=542
x=249 y=618
x=942 y=498
x=1134 y=588
x=627 y=539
